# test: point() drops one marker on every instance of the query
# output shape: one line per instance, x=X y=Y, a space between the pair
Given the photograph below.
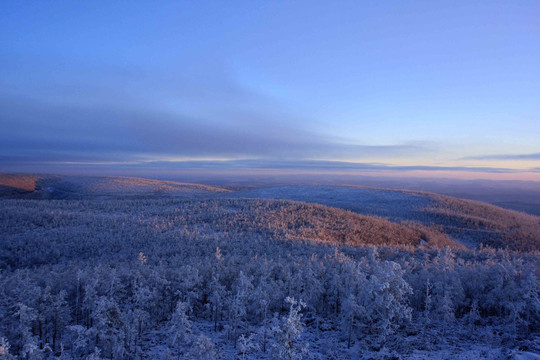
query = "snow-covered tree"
x=238 y=304
x=287 y=333
x=247 y=345
x=180 y=325
x=217 y=292
x=4 y=350
x=351 y=311
x=385 y=298
x=28 y=343
x=79 y=340
x=473 y=316
x=427 y=303
x=203 y=349
x=108 y=326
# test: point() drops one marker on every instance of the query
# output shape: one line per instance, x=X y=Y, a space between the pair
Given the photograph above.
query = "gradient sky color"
x=385 y=87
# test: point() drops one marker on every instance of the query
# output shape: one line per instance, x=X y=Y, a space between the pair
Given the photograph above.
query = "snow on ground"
x=385 y=203
x=331 y=345
x=526 y=355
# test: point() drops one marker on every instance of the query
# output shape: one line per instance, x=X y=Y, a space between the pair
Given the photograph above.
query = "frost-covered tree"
x=287 y=333
x=108 y=327
x=189 y=286
x=144 y=302
x=203 y=349
x=79 y=340
x=180 y=325
x=351 y=311
x=217 y=292
x=238 y=304
x=447 y=311
x=531 y=299
x=61 y=317
x=427 y=303
x=247 y=345
x=27 y=342
x=385 y=298
x=4 y=350
x=473 y=316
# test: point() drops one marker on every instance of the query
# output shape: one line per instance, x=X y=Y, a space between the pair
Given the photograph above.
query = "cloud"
x=317 y=165
x=534 y=156
x=41 y=132
x=285 y=166
x=96 y=115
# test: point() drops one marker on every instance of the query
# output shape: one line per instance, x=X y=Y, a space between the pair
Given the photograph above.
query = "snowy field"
x=386 y=203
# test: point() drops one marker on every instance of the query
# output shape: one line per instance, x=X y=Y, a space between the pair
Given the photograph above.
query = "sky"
x=423 y=88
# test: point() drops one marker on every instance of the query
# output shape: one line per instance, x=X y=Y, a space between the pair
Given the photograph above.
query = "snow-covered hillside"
x=470 y=223
x=81 y=187
x=215 y=274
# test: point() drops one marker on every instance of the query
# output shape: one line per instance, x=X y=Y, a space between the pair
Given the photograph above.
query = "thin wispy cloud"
x=250 y=165
x=533 y=156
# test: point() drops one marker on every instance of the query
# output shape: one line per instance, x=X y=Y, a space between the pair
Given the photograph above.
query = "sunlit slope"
x=75 y=187
x=11 y=184
x=470 y=223
x=485 y=223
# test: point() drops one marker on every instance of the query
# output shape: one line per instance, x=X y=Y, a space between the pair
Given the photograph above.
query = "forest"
x=170 y=278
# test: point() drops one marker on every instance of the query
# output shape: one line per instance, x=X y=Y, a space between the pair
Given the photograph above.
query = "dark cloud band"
x=60 y=133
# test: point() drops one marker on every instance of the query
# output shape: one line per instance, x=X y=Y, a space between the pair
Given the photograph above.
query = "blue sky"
x=423 y=86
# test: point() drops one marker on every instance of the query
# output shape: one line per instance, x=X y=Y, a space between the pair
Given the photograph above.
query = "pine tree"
x=447 y=311
x=4 y=350
x=180 y=325
x=247 y=345
x=350 y=311
x=28 y=343
x=287 y=332
x=61 y=317
x=203 y=349
x=217 y=292
x=427 y=303
x=79 y=340
x=473 y=317
x=385 y=298
x=238 y=304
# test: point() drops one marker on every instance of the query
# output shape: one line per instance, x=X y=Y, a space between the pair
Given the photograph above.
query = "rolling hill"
x=442 y=220
x=80 y=187
x=470 y=223
x=119 y=267
x=105 y=227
